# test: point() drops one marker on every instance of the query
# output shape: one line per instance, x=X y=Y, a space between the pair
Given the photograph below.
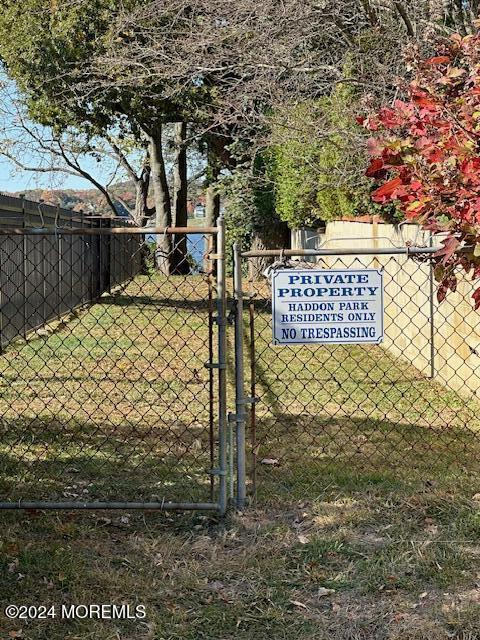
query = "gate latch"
x=236 y=417
x=215 y=365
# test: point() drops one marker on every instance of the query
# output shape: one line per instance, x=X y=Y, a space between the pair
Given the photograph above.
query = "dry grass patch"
x=352 y=564
x=366 y=528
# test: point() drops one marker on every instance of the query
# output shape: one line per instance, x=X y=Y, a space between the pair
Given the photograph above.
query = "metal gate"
x=323 y=414
x=112 y=375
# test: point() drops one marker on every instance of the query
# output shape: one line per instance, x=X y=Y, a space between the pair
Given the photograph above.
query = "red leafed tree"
x=425 y=152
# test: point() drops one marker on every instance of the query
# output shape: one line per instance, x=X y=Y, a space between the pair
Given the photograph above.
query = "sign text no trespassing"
x=327 y=305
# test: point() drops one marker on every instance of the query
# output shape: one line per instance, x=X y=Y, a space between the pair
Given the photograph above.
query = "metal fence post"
x=240 y=401
x=222 y=366
x=253 y=381
x=432 y=313
x=25 y=240
x=59 y=264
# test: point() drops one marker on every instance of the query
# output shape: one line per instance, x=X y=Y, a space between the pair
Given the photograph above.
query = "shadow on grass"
x=172 y=303
x=55 y=459
x=298 y=456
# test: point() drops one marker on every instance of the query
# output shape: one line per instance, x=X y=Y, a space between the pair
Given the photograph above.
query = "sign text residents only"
x=327 y=306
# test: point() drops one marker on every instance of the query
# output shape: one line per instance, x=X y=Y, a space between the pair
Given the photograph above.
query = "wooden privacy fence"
x=44 y=276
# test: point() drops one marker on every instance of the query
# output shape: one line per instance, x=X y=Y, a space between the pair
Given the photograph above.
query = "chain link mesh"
x=104 y=393
x=406 y=409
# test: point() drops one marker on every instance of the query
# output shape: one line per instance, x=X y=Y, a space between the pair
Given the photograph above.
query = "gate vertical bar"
x=253 y=392
x=211 y=377
x=239 y=375
x=222 y=366
x=58 y=245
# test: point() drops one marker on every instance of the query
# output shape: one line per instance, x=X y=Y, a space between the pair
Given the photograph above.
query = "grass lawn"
x=114 y=403
x=367 y=522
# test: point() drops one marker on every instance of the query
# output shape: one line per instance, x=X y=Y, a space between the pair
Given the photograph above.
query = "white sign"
x=327 y=306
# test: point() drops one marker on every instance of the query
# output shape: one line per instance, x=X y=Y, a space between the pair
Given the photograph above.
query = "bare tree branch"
x=402 y=11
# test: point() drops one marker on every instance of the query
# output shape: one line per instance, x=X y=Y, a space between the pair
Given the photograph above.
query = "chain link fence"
x=402 y=410
x=113 y=376
x=111 y=371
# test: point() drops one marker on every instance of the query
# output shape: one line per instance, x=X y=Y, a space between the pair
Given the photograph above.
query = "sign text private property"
x=327 y=306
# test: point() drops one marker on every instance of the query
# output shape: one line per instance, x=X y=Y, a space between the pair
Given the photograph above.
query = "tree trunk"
x=273 y=234
x=212 y=206
x=269 y=232
x=180 y=192
x=161 y=195
x=142 y=211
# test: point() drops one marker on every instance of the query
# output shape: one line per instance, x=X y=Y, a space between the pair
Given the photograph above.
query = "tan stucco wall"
x=407 y=304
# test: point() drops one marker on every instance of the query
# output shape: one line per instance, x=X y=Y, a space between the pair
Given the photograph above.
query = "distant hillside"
x=86 y=199
x=91 y=200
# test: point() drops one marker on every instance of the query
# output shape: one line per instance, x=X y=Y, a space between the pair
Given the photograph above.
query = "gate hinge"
x=218 y=472
x=215 y=365
x=237 y=417
x=249 y=400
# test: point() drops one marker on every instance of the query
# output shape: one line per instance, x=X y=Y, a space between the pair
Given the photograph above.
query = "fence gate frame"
x=215 y=252
x=242 y=399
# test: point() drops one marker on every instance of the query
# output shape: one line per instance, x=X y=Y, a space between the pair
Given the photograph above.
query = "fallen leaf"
x=216 y=585
x=270 y=461
x=296 y=603
x=322 y=592
x=303 y=539
x=12 y=566
x=12 y=548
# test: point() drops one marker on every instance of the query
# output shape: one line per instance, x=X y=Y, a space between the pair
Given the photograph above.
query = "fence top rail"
x=280 y=253
x=107 y=231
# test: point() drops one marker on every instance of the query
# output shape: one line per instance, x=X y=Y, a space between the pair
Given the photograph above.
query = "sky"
x=15 y=180
x=12 y=180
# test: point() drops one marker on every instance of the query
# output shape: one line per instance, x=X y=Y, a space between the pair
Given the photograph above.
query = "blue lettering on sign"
x=327 y=305
x=289 y=334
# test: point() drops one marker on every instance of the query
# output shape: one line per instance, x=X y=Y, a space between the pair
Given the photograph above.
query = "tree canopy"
x=270 y=85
